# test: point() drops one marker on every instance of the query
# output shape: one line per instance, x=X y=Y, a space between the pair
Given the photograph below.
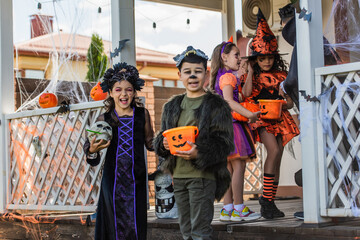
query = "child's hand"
x=244 y=66
x=254 y=117
x=281 y=92
x=98 y=146
x=166 y=144
x=188 y=155
x=250 y=65
x=289 y=103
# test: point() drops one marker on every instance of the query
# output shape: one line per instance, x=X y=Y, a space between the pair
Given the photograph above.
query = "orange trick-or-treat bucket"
x=270 y=109
x=252 y=107
x=178 y=137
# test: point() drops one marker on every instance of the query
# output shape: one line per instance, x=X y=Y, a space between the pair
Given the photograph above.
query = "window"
x=169 y=83
x=158 y=83
x=17 y=73
x=37 y=74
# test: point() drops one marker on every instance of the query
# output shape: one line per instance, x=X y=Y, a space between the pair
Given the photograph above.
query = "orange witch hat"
x=264 y=42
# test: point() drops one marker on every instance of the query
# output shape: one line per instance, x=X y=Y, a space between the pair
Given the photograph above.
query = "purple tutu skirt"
x=244 y=142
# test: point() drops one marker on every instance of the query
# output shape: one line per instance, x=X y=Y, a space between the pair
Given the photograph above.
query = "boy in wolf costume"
x=200 y=174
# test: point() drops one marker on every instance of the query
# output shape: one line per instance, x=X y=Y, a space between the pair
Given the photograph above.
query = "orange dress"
x=285 y=125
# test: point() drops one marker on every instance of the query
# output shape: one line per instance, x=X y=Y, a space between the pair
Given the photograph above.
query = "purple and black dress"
x=243 y=137
x=122 y=206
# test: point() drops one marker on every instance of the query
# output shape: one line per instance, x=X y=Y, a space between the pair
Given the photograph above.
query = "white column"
x=309 y=40
x=123 y=27
x=6 y=87
x=228 y=20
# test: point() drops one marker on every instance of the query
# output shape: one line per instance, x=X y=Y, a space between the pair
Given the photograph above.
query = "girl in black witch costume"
x=122 y=208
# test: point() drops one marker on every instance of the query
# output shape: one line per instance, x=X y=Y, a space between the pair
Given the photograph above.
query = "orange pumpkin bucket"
x=249 y=106
x=270 y=109
x=178 y=137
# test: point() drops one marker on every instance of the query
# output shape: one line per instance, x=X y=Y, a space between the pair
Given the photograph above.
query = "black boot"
x=276 y=212
x=266 y=208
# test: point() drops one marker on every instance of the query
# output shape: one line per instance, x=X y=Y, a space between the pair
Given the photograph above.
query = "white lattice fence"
x=339 y=138
x=254 y=174
x=46 y=168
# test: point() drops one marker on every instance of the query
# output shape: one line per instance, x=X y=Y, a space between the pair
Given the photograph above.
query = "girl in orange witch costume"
x=265 y=71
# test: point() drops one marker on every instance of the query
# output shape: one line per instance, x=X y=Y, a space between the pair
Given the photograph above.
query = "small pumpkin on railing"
x=48 y=100
x=97 y=93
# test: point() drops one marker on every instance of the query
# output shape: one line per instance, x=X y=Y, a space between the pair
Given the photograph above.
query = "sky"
x=171 y=35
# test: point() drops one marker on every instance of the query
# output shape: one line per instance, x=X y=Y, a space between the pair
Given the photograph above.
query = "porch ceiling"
x=213 y=5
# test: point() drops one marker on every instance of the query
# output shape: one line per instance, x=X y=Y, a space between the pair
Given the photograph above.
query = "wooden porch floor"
x=281 y=228
x=168 y=229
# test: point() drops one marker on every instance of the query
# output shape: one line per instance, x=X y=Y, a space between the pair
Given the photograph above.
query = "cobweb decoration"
x=343 y=29
x=66 y=62
x=341 y=127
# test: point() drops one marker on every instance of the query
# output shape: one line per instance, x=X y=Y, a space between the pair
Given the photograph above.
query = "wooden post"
x=6 y=88
x=309 y=40
x=228 y=20
x=123 y=27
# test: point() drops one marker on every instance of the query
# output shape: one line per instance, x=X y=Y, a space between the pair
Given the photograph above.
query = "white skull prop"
x=100 y=130
x=165 y=206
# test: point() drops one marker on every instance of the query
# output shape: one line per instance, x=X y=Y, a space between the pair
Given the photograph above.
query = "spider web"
x=343 y=30
x=64 y=70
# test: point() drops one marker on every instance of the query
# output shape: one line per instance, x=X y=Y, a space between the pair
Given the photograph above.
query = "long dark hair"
x=121 y=72
x=217 y=62
x=109 y=103
x=279 y=65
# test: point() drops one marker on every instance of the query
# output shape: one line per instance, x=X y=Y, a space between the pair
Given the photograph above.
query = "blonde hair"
x=217 y=62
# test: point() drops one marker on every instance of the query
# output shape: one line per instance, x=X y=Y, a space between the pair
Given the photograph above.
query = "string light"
x=39 y=4
x=154 y=23
x=188 y=20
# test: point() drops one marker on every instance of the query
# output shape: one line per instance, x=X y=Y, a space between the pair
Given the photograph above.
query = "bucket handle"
x=196 y=131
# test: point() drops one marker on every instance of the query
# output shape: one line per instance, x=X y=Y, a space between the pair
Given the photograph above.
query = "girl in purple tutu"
x=225 y=62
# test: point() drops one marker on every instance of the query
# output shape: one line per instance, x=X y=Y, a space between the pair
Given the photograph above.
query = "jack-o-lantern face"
x=48 y=100
x=97 y=93
x=179 y=140
x=263 y=110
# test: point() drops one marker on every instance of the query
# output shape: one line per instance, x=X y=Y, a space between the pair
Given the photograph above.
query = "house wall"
x=77 y=69
x=169 y=73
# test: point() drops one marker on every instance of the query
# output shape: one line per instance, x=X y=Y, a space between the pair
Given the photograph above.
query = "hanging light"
x=154 y=25
x=99 y=10
x=188 y=20
x=39 y=6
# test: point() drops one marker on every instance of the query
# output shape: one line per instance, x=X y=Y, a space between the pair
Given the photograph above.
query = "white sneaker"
x=245 y=215
x=225 y=215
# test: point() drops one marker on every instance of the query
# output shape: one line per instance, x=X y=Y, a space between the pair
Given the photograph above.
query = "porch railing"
x=253 y=182
x=338 y=127
x=46 y=169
